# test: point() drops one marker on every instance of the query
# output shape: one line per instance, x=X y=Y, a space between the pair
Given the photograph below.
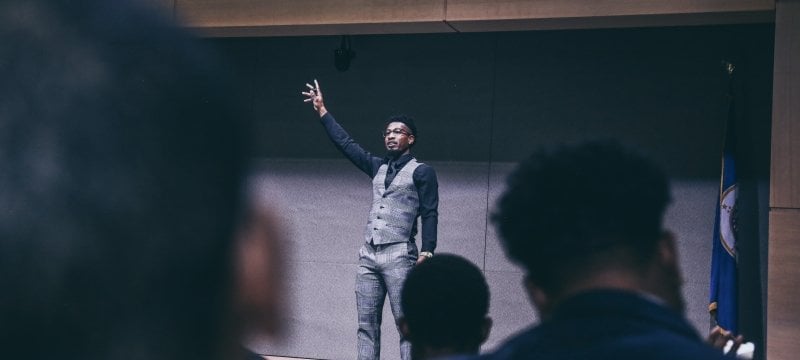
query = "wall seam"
x=444 y=20
x=489 y=163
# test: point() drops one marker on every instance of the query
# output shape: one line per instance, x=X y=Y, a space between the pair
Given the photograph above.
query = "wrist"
x=322 y=111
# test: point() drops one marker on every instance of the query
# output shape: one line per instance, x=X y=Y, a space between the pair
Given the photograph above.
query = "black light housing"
x=343 y=55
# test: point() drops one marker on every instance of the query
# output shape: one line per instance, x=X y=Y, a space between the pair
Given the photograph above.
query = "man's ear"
x=259 y=267
x=538 y=298
x=667 y=253
x=486 y=329
x=411 y=139
x=402 y=324
x=666 y=278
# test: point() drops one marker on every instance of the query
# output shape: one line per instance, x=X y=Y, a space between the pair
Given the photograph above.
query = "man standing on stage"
x=403 y=190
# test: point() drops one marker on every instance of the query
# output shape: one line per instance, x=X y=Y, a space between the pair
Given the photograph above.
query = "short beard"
x=393 y=152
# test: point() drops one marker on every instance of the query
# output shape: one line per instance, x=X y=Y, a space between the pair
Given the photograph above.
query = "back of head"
x=445 y=301
x=565 y=210
x=121 y=159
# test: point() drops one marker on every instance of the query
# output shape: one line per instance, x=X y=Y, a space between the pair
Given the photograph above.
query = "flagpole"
x=723 y=302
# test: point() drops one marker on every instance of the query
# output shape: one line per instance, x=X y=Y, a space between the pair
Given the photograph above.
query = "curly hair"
x=564 y=208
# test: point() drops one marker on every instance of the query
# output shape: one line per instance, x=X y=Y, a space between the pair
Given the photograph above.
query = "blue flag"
x=723 y=302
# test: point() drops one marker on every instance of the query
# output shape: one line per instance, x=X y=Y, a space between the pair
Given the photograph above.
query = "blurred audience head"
x=122 y=158
x=445 y=302
x=589 y=216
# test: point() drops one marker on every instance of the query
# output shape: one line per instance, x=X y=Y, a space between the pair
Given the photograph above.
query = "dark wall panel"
x=443 y=82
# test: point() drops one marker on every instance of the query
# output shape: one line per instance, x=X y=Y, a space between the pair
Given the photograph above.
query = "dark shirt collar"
x=399 y=161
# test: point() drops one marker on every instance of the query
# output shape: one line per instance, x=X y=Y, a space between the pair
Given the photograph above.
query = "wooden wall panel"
x=783 y=297
x=783 y=293
x=334 y=17
x=785 y=165
x=513 y=15
x=311 y=17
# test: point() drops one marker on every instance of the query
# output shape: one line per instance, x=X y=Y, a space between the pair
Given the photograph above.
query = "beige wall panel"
x=333 y=17
x=783 y=312
x=312 y=17
x=548 y=9
x=785 y=174
x=488 y=15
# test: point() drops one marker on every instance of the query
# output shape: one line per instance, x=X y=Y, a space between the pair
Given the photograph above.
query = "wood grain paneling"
x=487 y=15
x=785 y=165
x=783 y=295
x=311 y=17
x=333 y=17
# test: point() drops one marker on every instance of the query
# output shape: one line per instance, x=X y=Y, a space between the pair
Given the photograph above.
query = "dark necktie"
x=390 y=173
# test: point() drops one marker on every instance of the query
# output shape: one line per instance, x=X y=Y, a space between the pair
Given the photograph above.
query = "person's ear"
x=411 y=139
x=402 y=324
x=259 y=274
x=667 y=252
x=486 y=329
x=666 y=278
x=538 y=297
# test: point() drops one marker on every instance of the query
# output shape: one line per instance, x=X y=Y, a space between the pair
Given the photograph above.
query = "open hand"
x=314 y=96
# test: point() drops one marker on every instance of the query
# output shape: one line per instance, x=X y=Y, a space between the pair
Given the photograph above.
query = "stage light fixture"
x=344 y=54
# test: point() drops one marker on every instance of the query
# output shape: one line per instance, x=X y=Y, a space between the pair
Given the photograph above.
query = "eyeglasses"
x=396 y=131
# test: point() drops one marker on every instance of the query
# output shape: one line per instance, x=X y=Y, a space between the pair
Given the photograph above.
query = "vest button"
x=374 y=228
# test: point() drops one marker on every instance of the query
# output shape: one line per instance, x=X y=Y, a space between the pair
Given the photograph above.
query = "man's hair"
x=121 y=154
x=405 y=119
x=445 y=300
x=564 y=210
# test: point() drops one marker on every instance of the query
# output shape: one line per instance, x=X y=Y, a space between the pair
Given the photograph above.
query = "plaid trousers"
x=382 y=270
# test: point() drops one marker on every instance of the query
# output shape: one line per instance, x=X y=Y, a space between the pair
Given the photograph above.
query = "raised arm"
x=361 y=158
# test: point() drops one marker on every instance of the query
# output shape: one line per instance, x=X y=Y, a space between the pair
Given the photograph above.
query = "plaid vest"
x=394 y=208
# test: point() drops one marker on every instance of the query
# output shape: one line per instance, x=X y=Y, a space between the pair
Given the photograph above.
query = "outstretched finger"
x=307 y=100
x=317 y=85
x=307 y=93
x=310 y=86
